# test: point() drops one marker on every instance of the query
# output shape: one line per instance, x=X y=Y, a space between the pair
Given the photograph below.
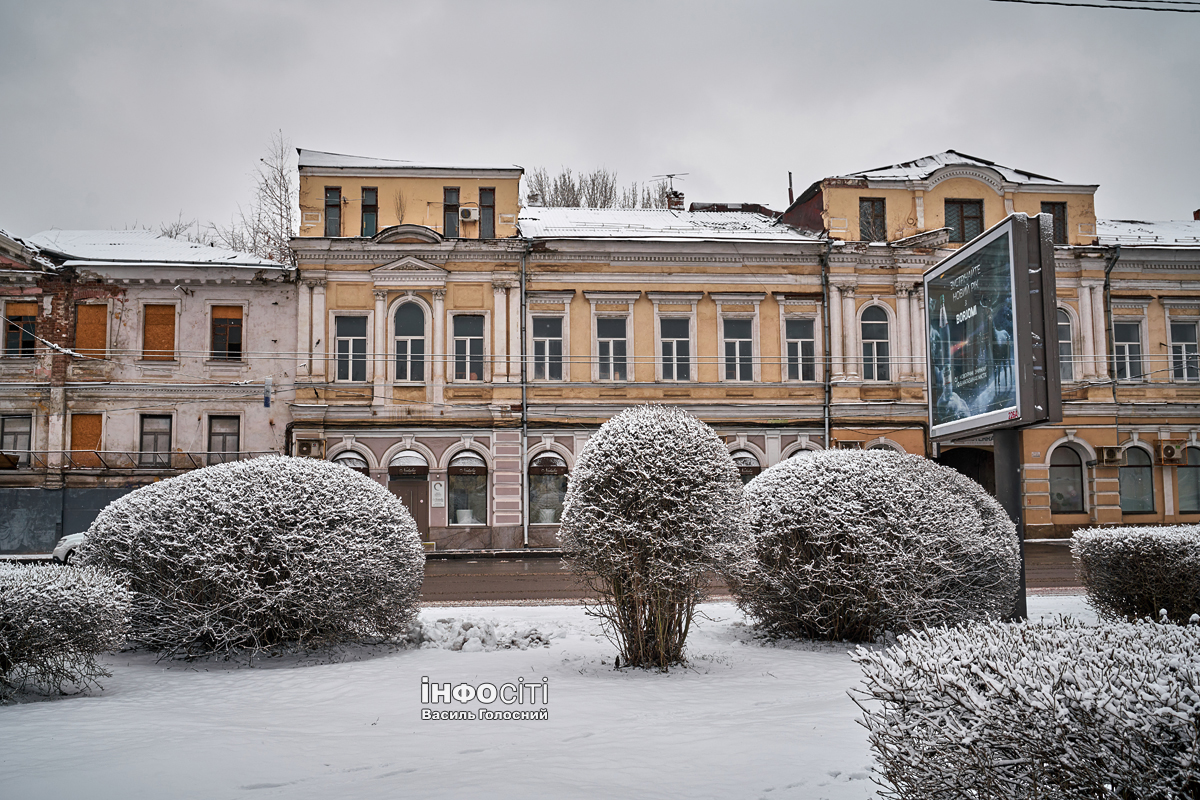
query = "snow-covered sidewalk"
x=747 y=720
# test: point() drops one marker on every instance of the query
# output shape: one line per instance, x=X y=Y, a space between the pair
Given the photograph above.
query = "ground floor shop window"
x=747 y=464
x=467 y=489
x=1137 y=482
x=354 y=461
x=1066 y=482
x=1189 y=482
x=547 y=488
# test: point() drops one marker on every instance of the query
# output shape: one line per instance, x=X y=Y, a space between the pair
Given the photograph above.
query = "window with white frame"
x=1066 y=367
x=676 y=342
x=1184 y=360
x=1127 y=350
x=547 y=348
x=611 y=348
x=1136 y=477
x=410 y=342
x=350 y=342
x=876 y=360
x=800 y=336
x=739 y=349
x=468 y=347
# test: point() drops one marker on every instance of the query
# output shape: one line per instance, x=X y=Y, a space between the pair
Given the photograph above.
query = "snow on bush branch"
x=1036 y=710
x=257 y=553
x=652 y=500
x=54 y=622
x=1138 y=572
x=850 y=544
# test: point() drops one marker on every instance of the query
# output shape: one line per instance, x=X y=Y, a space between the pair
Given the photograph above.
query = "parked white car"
x=64 y=551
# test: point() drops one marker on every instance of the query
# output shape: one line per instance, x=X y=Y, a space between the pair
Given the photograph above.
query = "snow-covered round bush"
x=653 y=497
x=54 y=622
x=1137 y=572
x=846 y=545
x=1036 y=710
x=253 y=554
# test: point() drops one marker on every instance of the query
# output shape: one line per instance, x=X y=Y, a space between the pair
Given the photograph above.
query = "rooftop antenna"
x=671 y=176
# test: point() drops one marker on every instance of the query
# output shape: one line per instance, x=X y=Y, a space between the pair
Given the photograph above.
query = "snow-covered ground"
x=747 y=720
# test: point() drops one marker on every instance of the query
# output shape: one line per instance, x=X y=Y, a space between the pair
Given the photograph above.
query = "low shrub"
x=259 y=553
x=1139 y=572
x=846 y=545
x=54 y=622
x=1036 y=710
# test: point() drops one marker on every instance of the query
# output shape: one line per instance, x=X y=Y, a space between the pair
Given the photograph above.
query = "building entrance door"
x=415 y=496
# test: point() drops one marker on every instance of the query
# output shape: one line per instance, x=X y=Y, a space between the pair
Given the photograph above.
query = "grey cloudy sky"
x=131 y=111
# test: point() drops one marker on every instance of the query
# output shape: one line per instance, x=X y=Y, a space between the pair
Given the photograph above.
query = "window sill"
x=156 y=362
x=1139 y=513
x=225 y=362
x=467 y=525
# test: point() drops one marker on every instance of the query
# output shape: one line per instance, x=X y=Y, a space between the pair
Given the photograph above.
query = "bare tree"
x=595 y=189
x=268 y=224
x=188 y=230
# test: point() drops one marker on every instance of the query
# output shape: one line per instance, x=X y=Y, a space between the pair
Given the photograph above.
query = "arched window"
x=1189 y=481
x=467 y=479
x=410 y=343
x=547 y=488
x=1066 y=481
x=747 y=464
x=875 y=344
x=408 y=465
x=1066 y=368
x=1137 y=482
x=801 y=453
x=354 y=461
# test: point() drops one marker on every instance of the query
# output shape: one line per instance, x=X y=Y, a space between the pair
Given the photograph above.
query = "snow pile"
x=1137 y=572
x=472 y=635
x=1036 y=710
x=258 y=553
x=653 y=499
x=846 y=545
x=54 y=623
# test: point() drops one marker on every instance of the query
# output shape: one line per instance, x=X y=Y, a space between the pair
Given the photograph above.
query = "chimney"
x=674 y=200
x=1196 y=214
x=790 y=198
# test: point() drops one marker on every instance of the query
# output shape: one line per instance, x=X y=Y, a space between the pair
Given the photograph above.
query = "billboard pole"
x=1006 y=446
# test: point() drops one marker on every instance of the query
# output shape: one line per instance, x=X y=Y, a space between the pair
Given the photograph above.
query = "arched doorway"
x=977 y=464
x=408 y=479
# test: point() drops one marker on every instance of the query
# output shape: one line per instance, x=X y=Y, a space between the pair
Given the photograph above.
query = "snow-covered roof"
x=618 y=223
x=1134 y=233
x=319 y=159
x=94 y=248
x=922 y=168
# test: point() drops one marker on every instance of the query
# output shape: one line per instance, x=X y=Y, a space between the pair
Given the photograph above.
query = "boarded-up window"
x=18 y=328
x=227 y=333
x=85 y=439
x=158 y=341
x=91 y=330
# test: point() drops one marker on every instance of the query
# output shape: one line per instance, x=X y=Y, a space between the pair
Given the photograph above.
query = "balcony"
x=128 y=461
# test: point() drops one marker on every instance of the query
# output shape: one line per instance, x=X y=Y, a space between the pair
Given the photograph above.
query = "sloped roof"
x=320 y=159
x=82 y=248
x=652 y=224
x=922 y=168
x=1135 y=233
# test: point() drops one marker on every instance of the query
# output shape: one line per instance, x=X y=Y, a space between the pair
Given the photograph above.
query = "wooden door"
x=415 y=496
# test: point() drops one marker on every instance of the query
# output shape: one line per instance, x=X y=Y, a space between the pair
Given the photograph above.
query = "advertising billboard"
x=986 y=309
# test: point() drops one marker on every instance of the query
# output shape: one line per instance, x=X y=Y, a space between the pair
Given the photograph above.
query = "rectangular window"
x=351 y=344
x=333 y=211
x=86 y=430
x=547 y=349
x=91 y=329
x=158 y=333
x=18 y=329
x=1059 y=212
x=801 y=350
x=16 y=433
x=227 y=333
x=1184 y=362
x=370 y=211
x=610 y=347
x=487 y=213
x=964 y=218
x=450 y=212
x=155 y=446
x=739 y=358
x=224 y=439
x=676 y=349
x=1127 y=347
x=872 y=219
x=468 y=347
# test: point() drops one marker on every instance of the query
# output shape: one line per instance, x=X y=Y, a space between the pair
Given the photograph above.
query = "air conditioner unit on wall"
x=468 y=214
x=310 y=448
x=1170 y=451
x=1110 y=456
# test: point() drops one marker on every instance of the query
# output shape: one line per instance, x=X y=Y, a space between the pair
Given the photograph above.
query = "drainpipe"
x=1109 y=263
x=828 y=366
x=524 y=413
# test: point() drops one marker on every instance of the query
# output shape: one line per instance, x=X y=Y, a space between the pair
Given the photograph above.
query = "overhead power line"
x=1109 y=5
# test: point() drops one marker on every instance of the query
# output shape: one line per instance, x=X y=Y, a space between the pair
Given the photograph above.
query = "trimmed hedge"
x=54 y=622
x=1139 y=572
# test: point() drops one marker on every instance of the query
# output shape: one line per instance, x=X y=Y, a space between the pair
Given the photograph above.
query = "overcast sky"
x=124 y=112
